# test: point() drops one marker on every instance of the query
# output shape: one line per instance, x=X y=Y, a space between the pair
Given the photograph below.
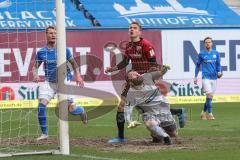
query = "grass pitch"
x=199 y=140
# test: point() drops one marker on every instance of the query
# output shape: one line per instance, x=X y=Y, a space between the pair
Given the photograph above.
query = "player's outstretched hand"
x=195 y=81
x=109 y=70
x=36 y=78
x=166 y=66
x=164 y=69
x=79 y=80
x=133 y=124
x=220 y=74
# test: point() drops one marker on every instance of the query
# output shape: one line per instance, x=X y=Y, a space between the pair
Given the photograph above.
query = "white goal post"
x=61 y=59
x=19 y=126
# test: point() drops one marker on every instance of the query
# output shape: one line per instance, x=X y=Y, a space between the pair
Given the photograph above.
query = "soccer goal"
x=21 y=35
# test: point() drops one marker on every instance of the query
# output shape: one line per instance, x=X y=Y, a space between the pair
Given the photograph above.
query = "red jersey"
x=140 y=54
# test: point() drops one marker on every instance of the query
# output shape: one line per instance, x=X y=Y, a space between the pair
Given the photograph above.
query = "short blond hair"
x=50 y=27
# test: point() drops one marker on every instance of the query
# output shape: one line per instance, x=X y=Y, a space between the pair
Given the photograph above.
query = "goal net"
x=22 y=34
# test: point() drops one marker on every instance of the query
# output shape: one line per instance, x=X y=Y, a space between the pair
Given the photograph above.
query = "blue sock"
x=77 y=110
x=209 y=105
x=205 y=107
x=42 y=118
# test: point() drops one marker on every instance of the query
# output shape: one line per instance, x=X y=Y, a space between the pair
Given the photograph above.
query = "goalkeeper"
x=151 y=104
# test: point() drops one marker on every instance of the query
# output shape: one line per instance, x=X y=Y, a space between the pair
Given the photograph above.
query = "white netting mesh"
x=19 y=129
x=21 y=35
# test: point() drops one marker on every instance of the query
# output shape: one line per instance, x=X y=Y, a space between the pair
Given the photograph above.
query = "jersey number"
x=152 y=53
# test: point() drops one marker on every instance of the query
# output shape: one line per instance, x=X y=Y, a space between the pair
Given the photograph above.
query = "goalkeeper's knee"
x=158 y=131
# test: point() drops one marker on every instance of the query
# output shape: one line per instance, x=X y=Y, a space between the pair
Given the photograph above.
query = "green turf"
x=200 y=140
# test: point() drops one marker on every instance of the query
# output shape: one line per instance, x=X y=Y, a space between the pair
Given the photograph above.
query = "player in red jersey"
x=142 y=55
x=139 y=50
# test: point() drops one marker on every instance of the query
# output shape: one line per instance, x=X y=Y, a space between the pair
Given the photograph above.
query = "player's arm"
x=197 y=68
x=164 y=69
x=160 y=72
x=218 y=66
x=150 y=53
x=119 y=66
x=156 y=69
x=38 y=62
x=77 y=76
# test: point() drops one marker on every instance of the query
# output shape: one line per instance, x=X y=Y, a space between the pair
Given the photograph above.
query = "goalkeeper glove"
x=167 y=67
x=133 y=124
x=164 y=69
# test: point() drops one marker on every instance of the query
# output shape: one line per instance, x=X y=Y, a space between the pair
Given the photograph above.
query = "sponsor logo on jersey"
x=152 y=53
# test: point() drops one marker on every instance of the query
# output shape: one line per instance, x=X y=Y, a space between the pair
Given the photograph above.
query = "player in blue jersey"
x=209 y=59
x=47 y=55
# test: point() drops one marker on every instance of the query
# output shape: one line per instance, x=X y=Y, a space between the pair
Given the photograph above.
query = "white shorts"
x=209 y=86
x=48 y=91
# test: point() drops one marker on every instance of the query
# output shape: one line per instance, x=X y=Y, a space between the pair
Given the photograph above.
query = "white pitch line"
x=94 y=157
